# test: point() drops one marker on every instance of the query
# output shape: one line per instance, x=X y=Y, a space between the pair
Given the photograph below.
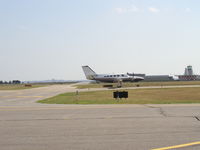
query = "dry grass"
x=138 y=96
x=134 y=84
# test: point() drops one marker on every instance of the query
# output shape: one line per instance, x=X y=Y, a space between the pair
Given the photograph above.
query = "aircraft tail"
x=89 y=73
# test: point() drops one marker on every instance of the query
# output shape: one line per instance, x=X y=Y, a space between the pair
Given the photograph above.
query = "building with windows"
x=150 y=78
x=189 y=75
x=158 y=78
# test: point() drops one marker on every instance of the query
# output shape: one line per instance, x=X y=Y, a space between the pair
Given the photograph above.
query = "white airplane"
x=111 y=78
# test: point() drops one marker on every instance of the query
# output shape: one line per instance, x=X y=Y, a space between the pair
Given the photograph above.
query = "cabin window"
x=118 y=75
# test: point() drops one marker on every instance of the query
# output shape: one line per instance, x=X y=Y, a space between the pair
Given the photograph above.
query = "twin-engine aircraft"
x=110 y=78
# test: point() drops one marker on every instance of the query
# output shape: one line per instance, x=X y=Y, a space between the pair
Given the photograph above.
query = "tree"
x=16 y=82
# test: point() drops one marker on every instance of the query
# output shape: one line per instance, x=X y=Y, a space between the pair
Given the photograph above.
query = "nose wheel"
x=119 y=83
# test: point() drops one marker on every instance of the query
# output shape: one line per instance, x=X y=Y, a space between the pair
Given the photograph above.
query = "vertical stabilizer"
x=89 y=73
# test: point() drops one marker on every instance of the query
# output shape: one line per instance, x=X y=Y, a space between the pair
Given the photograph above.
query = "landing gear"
x=119 y=84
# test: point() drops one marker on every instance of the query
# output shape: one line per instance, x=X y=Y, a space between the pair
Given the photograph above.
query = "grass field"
x=18 y=86
x=134 y=84
x=137 y=96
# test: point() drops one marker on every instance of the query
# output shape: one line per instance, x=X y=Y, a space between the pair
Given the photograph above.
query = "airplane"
x=110 y=78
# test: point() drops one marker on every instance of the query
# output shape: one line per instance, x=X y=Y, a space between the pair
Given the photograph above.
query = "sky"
x=52 y=39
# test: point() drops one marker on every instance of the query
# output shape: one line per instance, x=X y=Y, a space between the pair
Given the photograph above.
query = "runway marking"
x=178 y=146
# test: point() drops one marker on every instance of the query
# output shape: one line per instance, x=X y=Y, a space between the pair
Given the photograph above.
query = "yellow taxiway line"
x=178 y=146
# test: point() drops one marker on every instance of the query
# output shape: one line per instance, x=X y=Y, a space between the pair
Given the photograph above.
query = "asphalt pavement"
x=26 y=125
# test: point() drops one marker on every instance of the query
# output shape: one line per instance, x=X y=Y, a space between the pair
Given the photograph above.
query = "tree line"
x=11 y=82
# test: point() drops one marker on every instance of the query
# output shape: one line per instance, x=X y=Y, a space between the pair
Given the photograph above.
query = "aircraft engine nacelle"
x=137 y=79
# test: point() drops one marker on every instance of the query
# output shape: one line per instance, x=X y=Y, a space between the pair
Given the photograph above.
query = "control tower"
x=188 y=71
x=189 y=75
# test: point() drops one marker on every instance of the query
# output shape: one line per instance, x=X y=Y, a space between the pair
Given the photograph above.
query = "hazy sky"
x=45 y=39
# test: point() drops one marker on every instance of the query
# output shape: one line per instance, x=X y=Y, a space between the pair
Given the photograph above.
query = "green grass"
x=141 y=84
x=137 y=96
x=18 y=86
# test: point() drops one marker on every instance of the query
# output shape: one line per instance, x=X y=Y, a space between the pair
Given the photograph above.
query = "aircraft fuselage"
x=91 y=75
